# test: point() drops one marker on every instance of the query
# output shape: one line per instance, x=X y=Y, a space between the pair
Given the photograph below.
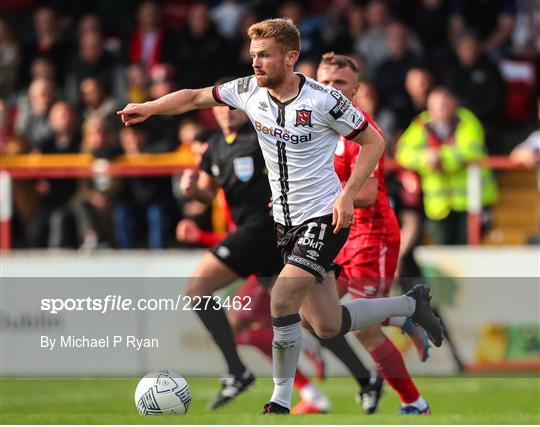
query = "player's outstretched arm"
x=173 y=103
x=372 y=150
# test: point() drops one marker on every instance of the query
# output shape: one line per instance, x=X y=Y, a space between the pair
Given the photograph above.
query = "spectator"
x=526 y=35
x=24 y=195
x=145 y=202
x=138 y=84
x=10 y=58
x=241 y=45
x=92 y=203
x=47 y=42
x=162 y=128
x=150 y=44
x=344 y=23
x=9 y=142
x=32 y=123
x=391 y=74
x=431 y=25
x=372 y=45
x=43 y=68
x=438 y=145
x=97 y=104
x=418 y=85
x=188 y=130
x=227 y=15
x=367 y=100
x=476 y=82
x=53 y=224
x=494 y=24
x=309 y=26
x=93 y=61
x=202 y=55
x=307 y=67
x=90 y=24
x=528 y=152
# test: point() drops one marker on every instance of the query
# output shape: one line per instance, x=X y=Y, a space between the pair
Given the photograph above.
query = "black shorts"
x=250 y=250
x=311 y=246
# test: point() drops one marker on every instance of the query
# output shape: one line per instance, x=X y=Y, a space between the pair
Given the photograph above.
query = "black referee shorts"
x=251 y=250
x=311 y=246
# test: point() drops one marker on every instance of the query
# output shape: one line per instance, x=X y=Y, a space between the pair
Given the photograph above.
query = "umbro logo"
x=312 y=254
x=263 y=106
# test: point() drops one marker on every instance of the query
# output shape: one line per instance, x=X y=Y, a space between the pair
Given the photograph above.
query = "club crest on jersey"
x=244 y=168
x=303 y=118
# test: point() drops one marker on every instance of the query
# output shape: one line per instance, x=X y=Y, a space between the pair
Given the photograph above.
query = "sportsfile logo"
x=282 y=134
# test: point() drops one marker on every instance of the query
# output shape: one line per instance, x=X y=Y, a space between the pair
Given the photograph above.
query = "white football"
x=162 y=392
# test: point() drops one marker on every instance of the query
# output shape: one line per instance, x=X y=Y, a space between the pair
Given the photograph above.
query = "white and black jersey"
x=298 y=139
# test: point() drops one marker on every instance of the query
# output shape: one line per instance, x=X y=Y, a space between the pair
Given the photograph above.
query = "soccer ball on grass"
x=162 y=392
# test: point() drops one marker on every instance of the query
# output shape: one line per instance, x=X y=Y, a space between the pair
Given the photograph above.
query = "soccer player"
x=233 y=161
x=370 y=256
x=219 y=167
x=298 y=122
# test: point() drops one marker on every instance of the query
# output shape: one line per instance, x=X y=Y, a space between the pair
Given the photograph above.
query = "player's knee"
x=327 y=330
x=305 y=323
x=194 y=289
x=280 y=307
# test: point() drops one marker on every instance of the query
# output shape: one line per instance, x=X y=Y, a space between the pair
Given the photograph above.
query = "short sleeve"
x=234 y=93
x=342 y=116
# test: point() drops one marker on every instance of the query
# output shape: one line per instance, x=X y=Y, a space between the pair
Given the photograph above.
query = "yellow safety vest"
x=445 y=189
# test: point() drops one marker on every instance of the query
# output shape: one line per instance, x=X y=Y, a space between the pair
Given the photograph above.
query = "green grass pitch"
x=461 y=400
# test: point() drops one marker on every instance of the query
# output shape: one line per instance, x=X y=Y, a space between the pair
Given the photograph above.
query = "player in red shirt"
x=370 y=256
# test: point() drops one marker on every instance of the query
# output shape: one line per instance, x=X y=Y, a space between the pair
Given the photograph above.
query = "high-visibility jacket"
x=445 y=188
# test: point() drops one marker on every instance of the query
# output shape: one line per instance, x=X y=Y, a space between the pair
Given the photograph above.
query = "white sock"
x=397 y=321
x=419 y=403
x=286 y=348
x=367 y=312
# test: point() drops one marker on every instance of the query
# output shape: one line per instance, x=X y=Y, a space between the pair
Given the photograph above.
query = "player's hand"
x=188 y=183
x=343 y=213
x=188 y=231
x=134 y=113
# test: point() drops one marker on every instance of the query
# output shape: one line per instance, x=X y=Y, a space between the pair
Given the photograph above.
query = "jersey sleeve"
x=234 y=93
x=354 y=148
x=342 y=116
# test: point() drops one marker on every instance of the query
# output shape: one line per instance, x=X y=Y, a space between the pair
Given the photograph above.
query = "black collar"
x=284 y=104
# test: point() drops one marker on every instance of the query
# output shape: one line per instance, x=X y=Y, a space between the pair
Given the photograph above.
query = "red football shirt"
x=378 y=221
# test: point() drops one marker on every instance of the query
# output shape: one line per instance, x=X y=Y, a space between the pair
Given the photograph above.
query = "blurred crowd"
x=458 y=73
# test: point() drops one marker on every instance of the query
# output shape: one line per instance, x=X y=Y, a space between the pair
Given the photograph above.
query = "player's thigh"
x=290 y=289
x=210 y=275
x=322 y=309
x=371 y=273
